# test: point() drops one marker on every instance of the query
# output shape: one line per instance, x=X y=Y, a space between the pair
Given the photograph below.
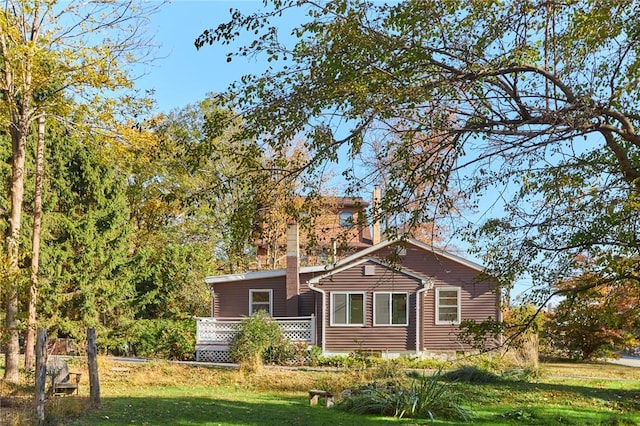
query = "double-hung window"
x=260 y=300
x=448 y=305
x=390 y=308
x=347 y=308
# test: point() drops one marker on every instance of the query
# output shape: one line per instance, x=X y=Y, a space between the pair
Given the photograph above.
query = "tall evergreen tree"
x=86 y=235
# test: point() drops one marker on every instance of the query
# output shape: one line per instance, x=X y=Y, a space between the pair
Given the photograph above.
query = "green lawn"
x=492 y=405
x=167 y=394
x=202 y=406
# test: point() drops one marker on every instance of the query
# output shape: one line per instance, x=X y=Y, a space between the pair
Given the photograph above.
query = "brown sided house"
x=393 y=298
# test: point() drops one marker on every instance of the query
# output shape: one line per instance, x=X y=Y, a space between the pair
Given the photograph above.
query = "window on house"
x=260 y=300
x=347 y=308
x=390 y=308
x=448 y=305
x=346 y=219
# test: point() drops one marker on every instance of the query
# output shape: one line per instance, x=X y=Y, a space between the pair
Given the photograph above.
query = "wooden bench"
x=63 y=382
x=314 y=394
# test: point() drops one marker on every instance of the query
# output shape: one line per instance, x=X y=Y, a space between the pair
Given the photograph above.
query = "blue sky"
x=183 y=75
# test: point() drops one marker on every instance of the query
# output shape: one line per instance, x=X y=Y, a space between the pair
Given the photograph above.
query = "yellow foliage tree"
x=62 y=59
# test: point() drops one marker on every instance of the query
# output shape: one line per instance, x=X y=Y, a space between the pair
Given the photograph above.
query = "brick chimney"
x=293 y=268
x=376 y=234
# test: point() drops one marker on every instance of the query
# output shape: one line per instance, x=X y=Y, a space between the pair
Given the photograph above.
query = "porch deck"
x=213 y=335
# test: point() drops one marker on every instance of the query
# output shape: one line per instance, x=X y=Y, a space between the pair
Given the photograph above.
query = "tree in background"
x=98 y=269
x=596 y=321
x=85 y=237
x=194 y=194
x=132 y=224
x=30 y=339
x=210 y=189
x=172 y=244
x=201 y=187
x=80 y=49
x=532 y=105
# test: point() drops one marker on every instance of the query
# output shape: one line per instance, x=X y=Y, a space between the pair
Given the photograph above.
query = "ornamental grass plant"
x=427 y=397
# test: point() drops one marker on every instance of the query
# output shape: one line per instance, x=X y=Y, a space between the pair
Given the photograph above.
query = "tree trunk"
x=41 y=373
x=92 y=363
x=12 y=354
x=35 y=258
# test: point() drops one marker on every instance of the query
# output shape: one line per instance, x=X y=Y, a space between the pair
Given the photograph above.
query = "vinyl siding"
x=307 y=301
x=231 y=300
x=479 y=301
x=380 y=338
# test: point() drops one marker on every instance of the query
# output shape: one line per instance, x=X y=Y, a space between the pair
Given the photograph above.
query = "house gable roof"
x=436 y=251
x=425 y=281
x=348 y=262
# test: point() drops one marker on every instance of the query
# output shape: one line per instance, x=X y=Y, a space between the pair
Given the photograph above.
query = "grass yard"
x=169 y=394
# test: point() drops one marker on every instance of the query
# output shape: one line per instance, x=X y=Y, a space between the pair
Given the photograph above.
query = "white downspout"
x=213 y=299
x=426 y=285
x=324 y=313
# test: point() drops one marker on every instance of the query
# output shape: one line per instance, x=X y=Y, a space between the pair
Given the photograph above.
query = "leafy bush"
x=359 y=360
x=285 y=352
x=426 y=398
x=409 y=361
x=167 y=339
x=145 y=336
x=255 y=335
x=355 y=360
x=387 y=369
x=179 y=340
x=314 y=356
x=338 y=361
x=471 y=374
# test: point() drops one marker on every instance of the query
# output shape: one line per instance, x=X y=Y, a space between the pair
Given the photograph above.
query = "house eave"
x=425 y=281
x=259 y=275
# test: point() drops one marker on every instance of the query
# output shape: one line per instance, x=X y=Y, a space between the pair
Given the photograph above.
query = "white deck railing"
x=220 y=331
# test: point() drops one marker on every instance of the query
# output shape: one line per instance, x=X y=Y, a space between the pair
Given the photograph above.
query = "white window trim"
x=364 y=308
x=390 y=308
x=260 y=290
x=437 y=312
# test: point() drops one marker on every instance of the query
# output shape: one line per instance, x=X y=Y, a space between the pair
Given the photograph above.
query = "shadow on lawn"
x=624 y=399
x=553 y=403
